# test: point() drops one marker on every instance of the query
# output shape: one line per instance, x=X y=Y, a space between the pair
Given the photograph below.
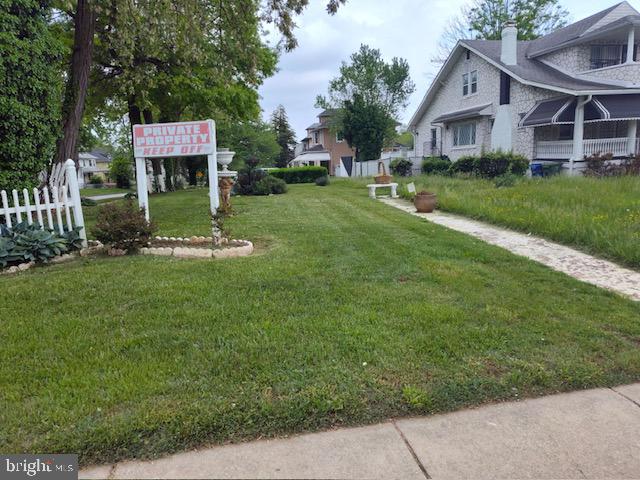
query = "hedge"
x=299 y=174
x=491 y=164
x=435 y=165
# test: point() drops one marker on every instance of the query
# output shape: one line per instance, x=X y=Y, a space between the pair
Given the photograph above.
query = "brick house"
x=323 y=147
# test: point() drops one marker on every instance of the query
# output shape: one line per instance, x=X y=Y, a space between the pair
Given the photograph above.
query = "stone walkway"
x=587 y=434
x=579 y=265
x=107 y=196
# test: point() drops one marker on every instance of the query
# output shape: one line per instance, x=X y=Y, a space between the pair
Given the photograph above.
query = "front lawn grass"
x=91 y=192
x=350 y=312
x=597 y=215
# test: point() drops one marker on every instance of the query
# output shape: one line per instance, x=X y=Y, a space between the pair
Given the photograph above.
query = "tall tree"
x=199 y=20
x=285 y=136
x=30 y=88
x=369 y=94
x=78 y=81
x=485 y=19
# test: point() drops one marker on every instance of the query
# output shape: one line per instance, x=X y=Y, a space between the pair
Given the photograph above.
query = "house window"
x=464 y=134
x=474 y=81
x=469 y=83
x=316 y=137
x=608 y=55
x=339 y=137
x=434 y=139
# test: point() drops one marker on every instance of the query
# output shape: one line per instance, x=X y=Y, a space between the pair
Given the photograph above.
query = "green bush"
x=121 y=170
x=26 y=243
x=96 y=180
x=464 y=164
x=322 y=181
x=269 y=185
x=88 y=202
x=435 y=165
x=491 y=164
x=299 y=174
x=401 y=167
x=506 y=180
x=122 y=225
x=30 y=90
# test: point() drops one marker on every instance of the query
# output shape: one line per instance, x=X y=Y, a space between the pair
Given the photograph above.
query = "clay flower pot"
x=425 y=202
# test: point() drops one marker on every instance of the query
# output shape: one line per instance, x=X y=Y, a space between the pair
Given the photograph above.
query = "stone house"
x=324 y=147
x=561 y=97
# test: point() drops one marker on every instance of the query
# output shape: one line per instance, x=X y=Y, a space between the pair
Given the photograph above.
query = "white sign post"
x=183 y=139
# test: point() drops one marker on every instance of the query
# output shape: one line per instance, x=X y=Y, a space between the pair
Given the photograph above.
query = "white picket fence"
x=59 y=203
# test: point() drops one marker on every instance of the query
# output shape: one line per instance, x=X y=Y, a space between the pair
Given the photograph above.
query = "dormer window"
x=339 y=137
x=316 y=137
x=609 y=55
x=469 y=83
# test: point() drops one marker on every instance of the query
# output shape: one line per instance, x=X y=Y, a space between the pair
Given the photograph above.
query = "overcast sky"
x=398 y=28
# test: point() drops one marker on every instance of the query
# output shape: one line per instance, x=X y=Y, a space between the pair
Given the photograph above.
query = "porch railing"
x=563 y=149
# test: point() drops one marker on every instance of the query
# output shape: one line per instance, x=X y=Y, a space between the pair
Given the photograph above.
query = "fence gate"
x=58 y=203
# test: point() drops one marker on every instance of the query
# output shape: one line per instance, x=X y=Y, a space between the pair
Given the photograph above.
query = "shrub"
x=121 y=170
x=130 y=195
x=122 y=225
x=491 y=164
x=506 y=180
x=88 y=202
x=299 y=174
x=601 y=165
x=25 y=243
x=464 y=164
x=322 y=181
x=401 y=166
x=435 y=165
x=269 y=185
x=96 y=180
x=248 y=177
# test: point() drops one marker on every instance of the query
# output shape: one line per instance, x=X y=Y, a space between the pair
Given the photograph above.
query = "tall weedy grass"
x=597 y=215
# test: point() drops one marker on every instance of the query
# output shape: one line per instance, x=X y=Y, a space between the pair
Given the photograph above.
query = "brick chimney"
x=509 y=44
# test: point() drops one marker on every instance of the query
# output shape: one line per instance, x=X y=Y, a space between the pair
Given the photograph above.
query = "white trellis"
x=56 y=206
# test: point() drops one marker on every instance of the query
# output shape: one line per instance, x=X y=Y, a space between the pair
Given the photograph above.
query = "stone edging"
x=188 y=252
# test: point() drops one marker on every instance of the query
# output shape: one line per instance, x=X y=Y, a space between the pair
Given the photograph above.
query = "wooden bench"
x=373 y=186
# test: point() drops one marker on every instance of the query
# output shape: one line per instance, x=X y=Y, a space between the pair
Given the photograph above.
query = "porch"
x=563 y=149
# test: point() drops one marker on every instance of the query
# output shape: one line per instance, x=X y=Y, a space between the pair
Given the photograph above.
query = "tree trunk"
x=78 y=83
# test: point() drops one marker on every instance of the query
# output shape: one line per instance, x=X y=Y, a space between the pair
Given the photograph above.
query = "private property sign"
x=173 y=139
x=184 y=139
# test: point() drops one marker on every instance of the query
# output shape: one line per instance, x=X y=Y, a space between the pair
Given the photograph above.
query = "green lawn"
x=601 y=216
x=350 y=312
x=90 y=192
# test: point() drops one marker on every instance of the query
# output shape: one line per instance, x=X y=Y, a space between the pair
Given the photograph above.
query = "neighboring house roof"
x=613 y=16
x=329 y=112
x=533 y=72
x=315 y=126
x=97 y=155
x=316 y=148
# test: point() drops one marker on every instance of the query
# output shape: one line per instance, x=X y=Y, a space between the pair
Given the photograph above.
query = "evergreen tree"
x=284 y=136
x=30 y=89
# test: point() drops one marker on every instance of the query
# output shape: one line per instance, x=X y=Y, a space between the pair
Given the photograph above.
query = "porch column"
x=578 y=134
x=631 y=40
x=632 y=127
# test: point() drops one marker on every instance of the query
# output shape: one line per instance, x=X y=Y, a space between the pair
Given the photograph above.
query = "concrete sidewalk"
x=586 y=434
x=107 y=196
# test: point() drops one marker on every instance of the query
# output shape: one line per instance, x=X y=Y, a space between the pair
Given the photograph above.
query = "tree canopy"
x=485 y=19
x=369 y=95
x=285 y=136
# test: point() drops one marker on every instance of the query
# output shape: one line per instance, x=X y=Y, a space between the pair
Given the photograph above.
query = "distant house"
x=95 y=162
x=571 y=93
x=323 y=147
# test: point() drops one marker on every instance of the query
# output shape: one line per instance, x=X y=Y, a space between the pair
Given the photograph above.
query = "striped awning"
x=562 y=110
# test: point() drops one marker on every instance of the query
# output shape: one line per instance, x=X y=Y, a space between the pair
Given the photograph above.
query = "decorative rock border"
x=196 y=247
